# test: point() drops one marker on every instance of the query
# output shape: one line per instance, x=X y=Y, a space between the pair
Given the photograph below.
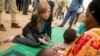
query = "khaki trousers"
x=12 y=4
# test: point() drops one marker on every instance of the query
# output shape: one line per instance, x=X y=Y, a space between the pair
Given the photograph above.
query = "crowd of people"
x=38 y=30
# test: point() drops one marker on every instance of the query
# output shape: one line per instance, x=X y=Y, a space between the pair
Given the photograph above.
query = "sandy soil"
x=21 y=19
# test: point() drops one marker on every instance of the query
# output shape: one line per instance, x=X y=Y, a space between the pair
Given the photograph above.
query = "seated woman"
x=35 y=31
x=88 y=44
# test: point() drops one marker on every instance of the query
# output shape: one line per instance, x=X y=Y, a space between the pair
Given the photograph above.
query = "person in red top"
x=88 y=44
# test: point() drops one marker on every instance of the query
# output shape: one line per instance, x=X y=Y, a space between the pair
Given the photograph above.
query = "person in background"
x=25 y=6
x=14 y=24
x=59 y=10
x=81 y=28
x=88 y=44
x=19 y=4
x=71 y=12
x=52 y=4
x=35 y=32
x=6 y=6
x=63 y=11
x=35 y=4
x=80 y=11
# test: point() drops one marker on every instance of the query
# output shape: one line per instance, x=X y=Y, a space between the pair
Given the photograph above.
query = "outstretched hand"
x=42 y=40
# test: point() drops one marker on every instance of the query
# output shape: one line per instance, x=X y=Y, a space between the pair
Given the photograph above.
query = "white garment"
x=81 y=9
x=30 y=8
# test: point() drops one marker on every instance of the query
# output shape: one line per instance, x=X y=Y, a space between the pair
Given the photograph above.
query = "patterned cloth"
x=87 y=44
x=60 y=46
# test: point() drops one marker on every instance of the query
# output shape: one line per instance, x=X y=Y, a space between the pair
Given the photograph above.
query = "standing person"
x=6 y=6
x=12 y=4
x=80 y=11
x=51 y=3
x=72 y=11
x=63 y=11
x=35 y=31
x=59 y=10
x=25 y=6
x=88 y=44
x=19 y=4
x=35 y=4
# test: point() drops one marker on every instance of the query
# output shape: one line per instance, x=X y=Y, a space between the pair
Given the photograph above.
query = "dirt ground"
x=22 y=21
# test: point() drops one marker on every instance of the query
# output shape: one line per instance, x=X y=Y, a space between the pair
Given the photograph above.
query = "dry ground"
x=21 y=19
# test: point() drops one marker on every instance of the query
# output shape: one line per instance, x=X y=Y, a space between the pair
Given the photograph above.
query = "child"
x=62 y=12
x=69 y=36
x=48 y=52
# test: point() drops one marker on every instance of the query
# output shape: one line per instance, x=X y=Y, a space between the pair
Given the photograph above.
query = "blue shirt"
x=75 y=5
x=43 y=27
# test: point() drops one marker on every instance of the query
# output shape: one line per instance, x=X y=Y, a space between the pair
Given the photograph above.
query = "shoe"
x=9 y=39
x=15 y=25
x=1 y=42
x=7 y=12
x=2 y=28
x=25 y=14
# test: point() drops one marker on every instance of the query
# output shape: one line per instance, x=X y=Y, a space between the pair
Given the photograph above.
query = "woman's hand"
x=42 y=40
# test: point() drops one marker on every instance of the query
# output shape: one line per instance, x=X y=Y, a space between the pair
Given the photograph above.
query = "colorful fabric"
x=63 y=9
x=87 y=44
x=60 y=46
